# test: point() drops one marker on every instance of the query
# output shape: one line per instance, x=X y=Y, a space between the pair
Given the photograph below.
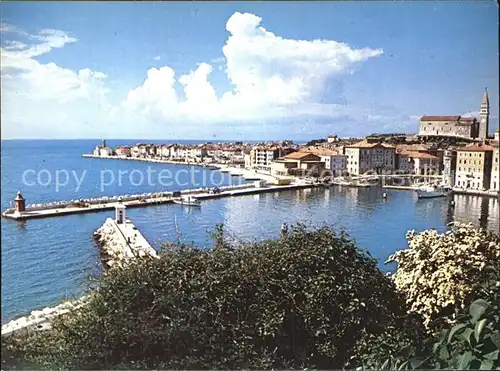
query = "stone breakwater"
x=39 y=320
x=120 y=243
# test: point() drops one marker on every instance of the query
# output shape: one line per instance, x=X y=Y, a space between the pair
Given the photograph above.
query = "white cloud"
x=273 y=79
x=157 y=58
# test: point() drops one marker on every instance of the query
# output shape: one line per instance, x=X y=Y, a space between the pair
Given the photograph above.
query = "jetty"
x=62 y=208
x=119 y=242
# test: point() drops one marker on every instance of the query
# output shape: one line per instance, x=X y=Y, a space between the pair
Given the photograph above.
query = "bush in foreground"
x=303 y=301
x=473 y=343
x=439 y=272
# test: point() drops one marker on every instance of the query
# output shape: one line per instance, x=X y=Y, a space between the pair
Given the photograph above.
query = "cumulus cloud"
x=273 y=79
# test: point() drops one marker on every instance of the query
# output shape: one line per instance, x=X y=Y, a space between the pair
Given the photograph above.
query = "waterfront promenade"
x=248 y=174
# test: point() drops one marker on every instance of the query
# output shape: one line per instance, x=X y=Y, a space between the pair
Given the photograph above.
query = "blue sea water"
x=46 y=260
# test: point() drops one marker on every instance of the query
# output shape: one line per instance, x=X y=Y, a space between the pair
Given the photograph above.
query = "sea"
x=46 y=261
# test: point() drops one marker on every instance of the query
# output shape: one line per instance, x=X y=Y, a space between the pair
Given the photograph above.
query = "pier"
x=119 y=242
x=62 y=208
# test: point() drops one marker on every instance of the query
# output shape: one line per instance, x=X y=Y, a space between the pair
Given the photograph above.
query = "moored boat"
x=433 y=191
x=187 y=201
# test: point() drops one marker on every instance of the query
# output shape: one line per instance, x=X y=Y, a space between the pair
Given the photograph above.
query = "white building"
x=495 y=170
x=364 y=156
x=261 y=157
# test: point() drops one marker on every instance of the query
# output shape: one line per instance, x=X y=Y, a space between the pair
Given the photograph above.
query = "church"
x=458 y=126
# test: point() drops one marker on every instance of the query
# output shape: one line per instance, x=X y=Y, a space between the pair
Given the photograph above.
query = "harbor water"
x=46 y=260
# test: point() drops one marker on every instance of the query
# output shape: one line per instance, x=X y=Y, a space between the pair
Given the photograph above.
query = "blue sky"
x=158 y=70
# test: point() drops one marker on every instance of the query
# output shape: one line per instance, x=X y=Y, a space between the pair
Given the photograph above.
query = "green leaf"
x=442 y=335
x=466 y=334
x=454 y=330
x=444 y=354
x=403 y=365
x=477 y=309
x=479 y=328
x=384 y=365
x=464 y=360
x=487 y=364
x=416 y=362
x=492 y=356
x=495 y=338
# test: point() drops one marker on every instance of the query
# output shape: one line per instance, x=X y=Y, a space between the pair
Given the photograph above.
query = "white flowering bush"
x=438 y=272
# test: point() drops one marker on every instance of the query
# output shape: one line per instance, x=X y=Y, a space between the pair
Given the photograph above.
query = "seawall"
x=118 y=244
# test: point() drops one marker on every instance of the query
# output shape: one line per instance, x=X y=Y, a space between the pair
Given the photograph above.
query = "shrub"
x=437 y=273
x=472 y=343
x=304 y=300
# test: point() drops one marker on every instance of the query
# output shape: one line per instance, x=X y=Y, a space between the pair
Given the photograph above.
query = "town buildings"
x=449 y=167
x=495 y=169
x=365 y=156
x=474 y=167
x=458 y=126
x=262 y=156
x=334 y=161
x=103 y=150
x=298 y=163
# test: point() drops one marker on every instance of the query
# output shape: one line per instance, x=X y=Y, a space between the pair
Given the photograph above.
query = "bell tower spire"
x=484 y=116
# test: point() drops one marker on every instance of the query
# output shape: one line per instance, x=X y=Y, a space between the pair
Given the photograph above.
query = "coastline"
x=154 y=160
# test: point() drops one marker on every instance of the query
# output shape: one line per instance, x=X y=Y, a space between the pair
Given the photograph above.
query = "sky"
x=242 y=70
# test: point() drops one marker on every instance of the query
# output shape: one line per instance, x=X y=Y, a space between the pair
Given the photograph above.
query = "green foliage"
x=472 y=343
x=437 y=273
x=300 y=302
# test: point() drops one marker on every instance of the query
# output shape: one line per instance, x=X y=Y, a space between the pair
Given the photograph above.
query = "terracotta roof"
x=413 y=154
x=483 y=148
x=298 y=155
x=439 y=118
x=411 y=147
x=365 y=144
x=320 y=151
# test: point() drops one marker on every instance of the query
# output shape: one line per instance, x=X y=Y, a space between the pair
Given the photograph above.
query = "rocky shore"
x=41 y=319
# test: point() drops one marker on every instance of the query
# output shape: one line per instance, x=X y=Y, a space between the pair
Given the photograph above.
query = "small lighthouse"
x=120 y=215
x=19 y=203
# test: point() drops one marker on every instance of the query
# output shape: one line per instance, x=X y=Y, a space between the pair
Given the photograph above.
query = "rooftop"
x=365 y=144
x=320 y=151
x=482 y=148
x=421 y=155
x=299 y=155
x=439 y=118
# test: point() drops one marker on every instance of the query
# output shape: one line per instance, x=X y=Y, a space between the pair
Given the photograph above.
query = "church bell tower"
x=484 y=116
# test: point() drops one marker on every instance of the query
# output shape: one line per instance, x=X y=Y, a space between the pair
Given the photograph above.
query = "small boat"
x=433 y=191
x=187 y=201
